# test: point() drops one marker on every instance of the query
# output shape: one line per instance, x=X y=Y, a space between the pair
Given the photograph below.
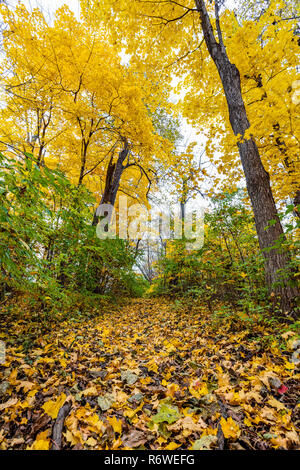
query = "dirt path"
x=149 y=376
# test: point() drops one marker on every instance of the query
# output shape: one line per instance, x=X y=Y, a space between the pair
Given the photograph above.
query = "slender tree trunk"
x=113 y=178
x=257 y=179
x=291 y=169
x=84 y=147
x=295 y=196
x=297 y=203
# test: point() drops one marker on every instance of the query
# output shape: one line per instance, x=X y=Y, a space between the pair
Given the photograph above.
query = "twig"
x=221 y=438
x=59 y=424
x=220 y=434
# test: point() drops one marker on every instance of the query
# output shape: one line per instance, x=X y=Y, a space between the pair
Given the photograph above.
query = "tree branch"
x=217 y=9
x=210 y=40
x=185 y=55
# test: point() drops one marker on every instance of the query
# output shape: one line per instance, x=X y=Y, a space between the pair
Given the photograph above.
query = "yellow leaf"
x=172 y=446
x=121 y=396
x=276 y=404
x=12 y=377
x=247 y=422
x=131 y=413
x=91 y=442
x=25 y=385
x=41 y=442
x=91 y=391
x=289 y=365
x=73 y=437
x=116 y=443
x=8 y=403
x=198 y=390
x=63 y=363
x=230 y=428
x=172 y=388
x=52 y=407
x=115 y=423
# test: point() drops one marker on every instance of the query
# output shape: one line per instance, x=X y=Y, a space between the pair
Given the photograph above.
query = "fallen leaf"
x=8 y=403
x=52 y=407
x=134 y=438
x=230 y=428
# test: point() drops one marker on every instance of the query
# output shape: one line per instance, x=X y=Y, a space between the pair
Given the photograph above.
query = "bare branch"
x=166 y=21
x=185 y=55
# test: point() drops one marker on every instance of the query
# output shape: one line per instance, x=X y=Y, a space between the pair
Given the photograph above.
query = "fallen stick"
x=221 y=438
x=220 y=434
x=59 y=424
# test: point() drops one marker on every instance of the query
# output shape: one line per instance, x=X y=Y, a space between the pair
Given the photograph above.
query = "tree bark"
x=59 y=424
x=296 y=202
x=291 y=169
x=295 y=196
x=112 y=180
x=278 y=272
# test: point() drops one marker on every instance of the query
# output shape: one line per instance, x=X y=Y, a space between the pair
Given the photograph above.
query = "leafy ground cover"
x=150 y=375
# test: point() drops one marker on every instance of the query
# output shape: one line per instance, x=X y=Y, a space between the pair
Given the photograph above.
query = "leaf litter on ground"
x=149 y=377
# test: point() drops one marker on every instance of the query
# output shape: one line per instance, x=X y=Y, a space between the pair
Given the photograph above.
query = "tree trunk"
x=291 y=169
x=295 y=196
x=257 y=179
x=297 y=203
x=84 y=147
x=112 y=180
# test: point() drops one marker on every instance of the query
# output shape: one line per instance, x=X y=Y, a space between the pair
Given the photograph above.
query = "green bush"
x=48 y=246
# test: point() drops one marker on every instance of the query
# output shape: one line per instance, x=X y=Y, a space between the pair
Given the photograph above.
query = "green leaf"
x=167 y=413
x=205 y=443
x=106 y=401
x=129 y=376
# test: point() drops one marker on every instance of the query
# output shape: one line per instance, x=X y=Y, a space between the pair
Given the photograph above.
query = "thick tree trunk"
x=268 y=226
x=112 y=181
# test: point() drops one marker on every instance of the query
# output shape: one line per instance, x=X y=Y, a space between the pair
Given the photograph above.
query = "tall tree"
x=66 y=86
x=267 y=222
x=172 y=27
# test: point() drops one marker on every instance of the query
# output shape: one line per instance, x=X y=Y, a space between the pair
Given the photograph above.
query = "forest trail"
x=150 y=374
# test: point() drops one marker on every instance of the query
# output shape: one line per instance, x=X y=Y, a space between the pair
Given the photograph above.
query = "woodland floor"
x=148 y=376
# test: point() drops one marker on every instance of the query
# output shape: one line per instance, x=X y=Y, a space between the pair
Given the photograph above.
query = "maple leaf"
x=74 y=437
x=115 y=423
x=172 y=446
x=42 y=442
x=188 y=424
x=52 y=407
x=205 y=443
x=91 y=391
x=198 y=389
x=276 y=404
x=25 y=385
x=129 y=376
x=91 y=442
x=134 y=438
x=230 y=428
x=166 y=413
x=106 y=401
x=8 y=404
